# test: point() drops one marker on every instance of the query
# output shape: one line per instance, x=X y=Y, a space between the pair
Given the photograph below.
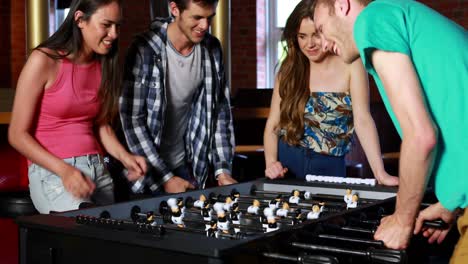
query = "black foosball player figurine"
x=348 y=196
x=223 y=223
x=235 y=214
x=212 y=231
x=206 y=214
x=254 y=208
x=275 y=203
x=284 y=210
x=200 y=203
x=235 y=195
x=272 y=224
x=354 y=202
x=180 y=204
x=297 y=216
x=294 y=199
x=177 y=216
x=264 y=220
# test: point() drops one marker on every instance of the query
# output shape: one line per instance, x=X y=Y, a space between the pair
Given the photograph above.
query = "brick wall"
x=17 y=39
x=5 y=76
x=243 y=44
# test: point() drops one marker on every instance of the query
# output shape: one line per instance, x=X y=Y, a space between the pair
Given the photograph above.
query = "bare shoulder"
x=41 y=65
x=41 y=58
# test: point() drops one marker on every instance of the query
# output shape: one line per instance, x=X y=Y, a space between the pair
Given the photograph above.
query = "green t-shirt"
x=438 y=48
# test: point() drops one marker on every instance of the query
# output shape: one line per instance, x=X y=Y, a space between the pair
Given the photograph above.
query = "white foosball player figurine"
x=223 y=223
x=315 y=213
x=283 y=212
x=294 y=199
x=218 y=206
x=172 y=202
x=177 y=216
x=354 y=202
x=200 y=203
x=227 y=204
x=254 y=208
x=348 y=197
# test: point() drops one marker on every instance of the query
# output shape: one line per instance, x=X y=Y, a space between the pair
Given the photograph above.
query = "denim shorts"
x=49 y=194
x=301 y=161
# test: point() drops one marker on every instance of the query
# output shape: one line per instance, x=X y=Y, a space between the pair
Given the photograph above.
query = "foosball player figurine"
x=149 y=217
x=235 y=216
x=354 y=202
x=254 y=208
x=264 y=220
x=227 y=203
x=348 y=196
x=235 y=195
x=275 y=203
x=212 y=230
x=172 y=202
x=272 y=225
x=297 y=217
x=283 y=212
x=315 y=213
x=223 y=223
x=294 y=199
x=177 y=216
x=206 y=214
x=180 y=204
x=200 y=203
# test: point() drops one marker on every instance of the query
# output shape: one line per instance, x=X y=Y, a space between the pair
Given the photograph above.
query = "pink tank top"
x=68 y=109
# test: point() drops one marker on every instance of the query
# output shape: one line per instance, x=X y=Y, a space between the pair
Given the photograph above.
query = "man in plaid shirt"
x=175 y=107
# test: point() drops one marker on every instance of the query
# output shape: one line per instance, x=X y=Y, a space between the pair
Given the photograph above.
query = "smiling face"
x=194 y=21
x=100 y=30
x=336 y=34
x=309 y=41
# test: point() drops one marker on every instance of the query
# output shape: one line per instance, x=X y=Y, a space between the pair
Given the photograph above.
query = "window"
x=277 y=12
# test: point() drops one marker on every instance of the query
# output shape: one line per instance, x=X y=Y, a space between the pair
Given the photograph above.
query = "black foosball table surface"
x=121 y=233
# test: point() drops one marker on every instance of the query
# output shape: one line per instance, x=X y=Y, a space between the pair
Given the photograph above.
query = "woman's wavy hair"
x=69 y=40
x=293 y=76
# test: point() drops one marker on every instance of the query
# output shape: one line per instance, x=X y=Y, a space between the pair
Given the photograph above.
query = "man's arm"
x=223 y=147
x=365 y=125
x=134 y=115
x=419 y=139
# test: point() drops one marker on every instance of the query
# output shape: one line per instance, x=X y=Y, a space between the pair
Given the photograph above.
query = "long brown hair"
x=293 y=76
x=68 y=40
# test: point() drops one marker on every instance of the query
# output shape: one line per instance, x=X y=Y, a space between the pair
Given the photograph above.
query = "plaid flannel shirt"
x=209 y=137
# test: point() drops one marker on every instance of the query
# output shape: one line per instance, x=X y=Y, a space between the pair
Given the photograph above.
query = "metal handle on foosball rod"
x=304 y=258
x=385 y=256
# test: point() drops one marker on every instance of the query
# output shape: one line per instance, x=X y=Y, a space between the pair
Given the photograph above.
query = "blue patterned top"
x=328 y=123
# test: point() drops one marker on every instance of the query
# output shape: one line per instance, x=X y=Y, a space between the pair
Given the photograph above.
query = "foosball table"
x=262 y=221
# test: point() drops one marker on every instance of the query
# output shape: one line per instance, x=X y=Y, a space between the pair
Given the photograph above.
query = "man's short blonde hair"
x=331 y=4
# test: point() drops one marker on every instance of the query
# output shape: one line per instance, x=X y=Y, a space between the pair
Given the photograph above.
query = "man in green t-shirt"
x=419 y=60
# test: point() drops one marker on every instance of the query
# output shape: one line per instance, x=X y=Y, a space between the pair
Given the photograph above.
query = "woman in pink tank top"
x=66 y=99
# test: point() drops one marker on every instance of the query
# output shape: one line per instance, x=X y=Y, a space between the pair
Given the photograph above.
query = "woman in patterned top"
x=311 y=119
